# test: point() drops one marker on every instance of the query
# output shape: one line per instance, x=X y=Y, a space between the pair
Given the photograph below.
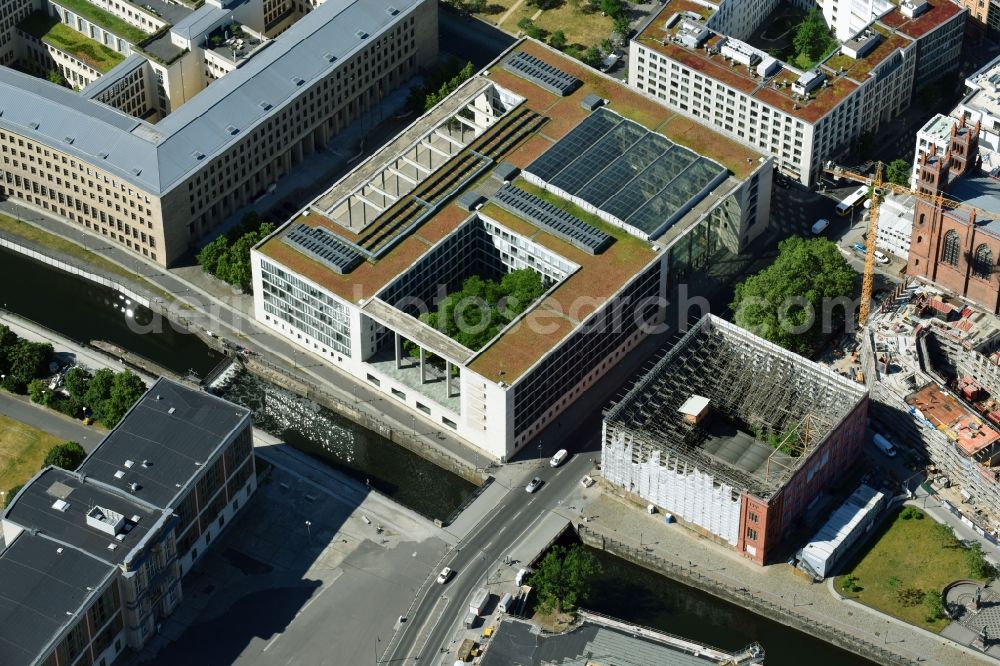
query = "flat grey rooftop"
x=163 y=48
x=44 y=585
x=517 y=643
x=171 y=12
x=34 y=509
x=175 y=429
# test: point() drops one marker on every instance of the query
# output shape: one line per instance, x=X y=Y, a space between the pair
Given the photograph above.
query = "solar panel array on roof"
x=538 y=71
x=638 y=177
x=326 y=247
x=553 y=219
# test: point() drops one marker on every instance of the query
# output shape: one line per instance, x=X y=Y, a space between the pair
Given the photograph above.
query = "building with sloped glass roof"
x=537 y=163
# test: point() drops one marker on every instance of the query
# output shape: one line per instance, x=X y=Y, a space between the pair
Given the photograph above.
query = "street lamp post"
x=309 y=529
x=539 y=450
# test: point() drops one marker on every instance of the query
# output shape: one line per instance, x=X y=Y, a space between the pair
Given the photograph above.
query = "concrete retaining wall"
x=73 y=270
x=439 y=457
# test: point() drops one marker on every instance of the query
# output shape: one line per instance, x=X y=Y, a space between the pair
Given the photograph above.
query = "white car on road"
x=445 y=575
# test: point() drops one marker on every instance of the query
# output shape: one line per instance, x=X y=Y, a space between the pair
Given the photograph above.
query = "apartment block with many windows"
x=94 y=559
x=801 y=117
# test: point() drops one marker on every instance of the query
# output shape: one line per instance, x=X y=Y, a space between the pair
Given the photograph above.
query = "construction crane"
x=878 y=187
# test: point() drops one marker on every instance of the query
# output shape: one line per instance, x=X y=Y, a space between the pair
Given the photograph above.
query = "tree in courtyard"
x=558 y=40
x=126 y=389
x=898 y=172
x=67 y=455
x=790 y=302
x=76 y=381
x=812 y=37
x=563 y=578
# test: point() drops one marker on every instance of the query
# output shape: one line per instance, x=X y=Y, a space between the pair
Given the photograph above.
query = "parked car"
x=559 y=458
x=860 y=248
x=881 y=258
x=445 y=575
x=533 y=485
x=820 y=226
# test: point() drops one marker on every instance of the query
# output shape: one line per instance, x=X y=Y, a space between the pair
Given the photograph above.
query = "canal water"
x=631 y=593
x=355 y=451
x=85 y=311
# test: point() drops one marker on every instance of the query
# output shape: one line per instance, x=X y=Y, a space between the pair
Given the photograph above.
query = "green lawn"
x=61 y=36
x=909 y=555
x=579 y=23
x=106 y=20
x=22 y=450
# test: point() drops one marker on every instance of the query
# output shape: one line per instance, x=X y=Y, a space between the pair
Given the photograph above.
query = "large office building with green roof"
x=537 y=165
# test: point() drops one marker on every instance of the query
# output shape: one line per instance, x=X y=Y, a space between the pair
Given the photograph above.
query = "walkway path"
x=777 y=584
x=506 y=15
x=21 y=409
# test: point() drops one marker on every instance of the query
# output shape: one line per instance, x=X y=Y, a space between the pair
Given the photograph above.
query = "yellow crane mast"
x=878 y=187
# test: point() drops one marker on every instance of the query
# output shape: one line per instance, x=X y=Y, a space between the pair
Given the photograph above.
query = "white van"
x=884 y=445
x=881 y=258
x=559 y=457
x=820 y=226
x=506 y=601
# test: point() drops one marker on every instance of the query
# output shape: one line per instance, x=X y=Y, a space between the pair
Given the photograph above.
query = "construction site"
x=735 y=437
x=932 y=364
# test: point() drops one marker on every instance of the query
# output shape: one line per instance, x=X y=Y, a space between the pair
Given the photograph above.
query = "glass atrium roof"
x=618 y=166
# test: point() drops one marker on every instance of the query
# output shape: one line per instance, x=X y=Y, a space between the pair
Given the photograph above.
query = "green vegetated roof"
x=106 y=20
x=64 y=38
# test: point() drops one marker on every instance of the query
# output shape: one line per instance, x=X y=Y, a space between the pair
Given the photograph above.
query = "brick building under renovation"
x=735 y=436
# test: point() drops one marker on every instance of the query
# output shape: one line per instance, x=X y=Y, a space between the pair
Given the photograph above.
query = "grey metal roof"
x=45 y=585
x=204 y=18
x=119 y=71
x=156 y=158
x=63 y=119
x=981 y=192
x=34 y=509
x=175 y=429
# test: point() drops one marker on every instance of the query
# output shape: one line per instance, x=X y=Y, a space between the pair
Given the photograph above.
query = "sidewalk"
x=776 y=584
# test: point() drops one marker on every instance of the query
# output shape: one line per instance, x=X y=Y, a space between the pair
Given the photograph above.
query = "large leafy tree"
x=788 y=301
x=98 y=392
x=563 y=578
x=29 y=360
x=67 y=455
x=898 y=172
x=77 y=381
x=126 y=389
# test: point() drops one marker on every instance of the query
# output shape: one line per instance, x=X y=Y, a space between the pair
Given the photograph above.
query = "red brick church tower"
x=947 y=245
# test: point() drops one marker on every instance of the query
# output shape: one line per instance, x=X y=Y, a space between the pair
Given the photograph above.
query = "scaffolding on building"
x=782 y=407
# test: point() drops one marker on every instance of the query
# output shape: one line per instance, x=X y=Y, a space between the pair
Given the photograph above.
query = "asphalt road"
x=50 y=421
x=441 y=608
